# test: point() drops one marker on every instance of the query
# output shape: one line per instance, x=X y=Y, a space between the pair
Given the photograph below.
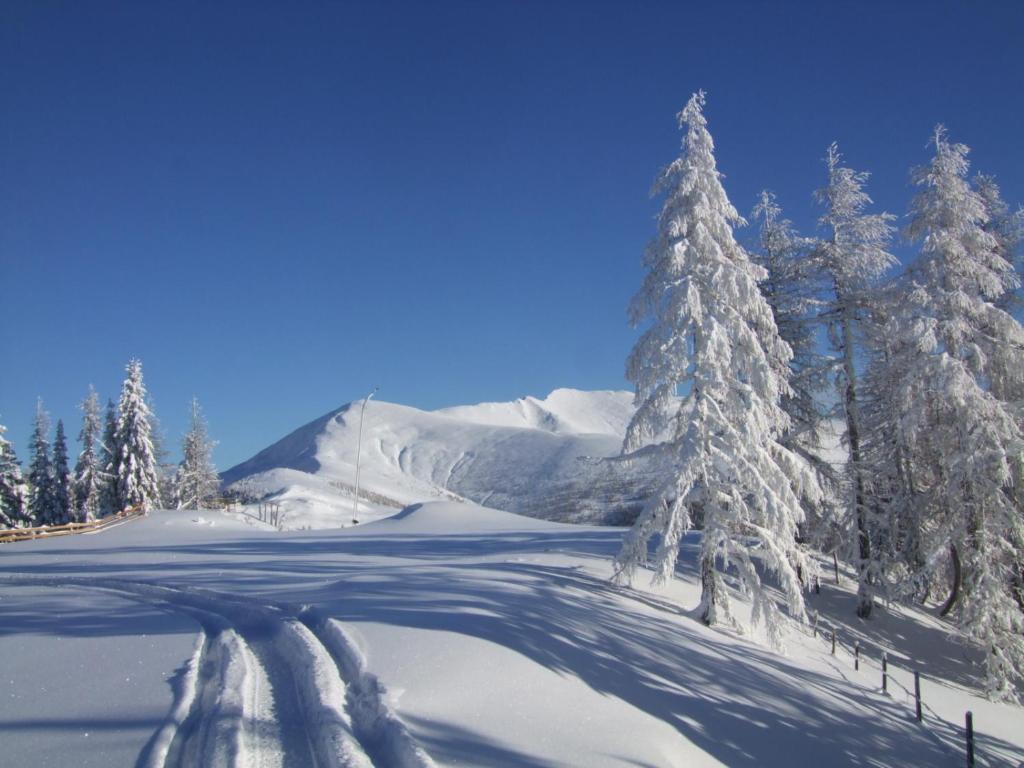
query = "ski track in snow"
x=269 y=686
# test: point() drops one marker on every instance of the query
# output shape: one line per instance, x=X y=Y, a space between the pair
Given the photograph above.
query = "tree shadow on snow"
x=742 y=704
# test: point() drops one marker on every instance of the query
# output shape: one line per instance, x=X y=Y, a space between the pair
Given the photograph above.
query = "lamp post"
x=359 y=448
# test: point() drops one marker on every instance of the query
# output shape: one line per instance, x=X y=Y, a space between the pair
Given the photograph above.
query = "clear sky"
x=277 y=206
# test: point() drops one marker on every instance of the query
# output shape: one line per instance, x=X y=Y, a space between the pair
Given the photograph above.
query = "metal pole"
x=856 y=656
x=970 y=740
x=833 y=642
x=885 y=672
x=917 y=693
x=359 y=448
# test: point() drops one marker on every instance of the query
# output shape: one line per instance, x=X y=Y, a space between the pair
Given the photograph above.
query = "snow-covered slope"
x=446 y=635
x=545 y=458
x=564 y=411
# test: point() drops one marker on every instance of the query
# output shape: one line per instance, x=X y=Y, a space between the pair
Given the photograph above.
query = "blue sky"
x=278 y=206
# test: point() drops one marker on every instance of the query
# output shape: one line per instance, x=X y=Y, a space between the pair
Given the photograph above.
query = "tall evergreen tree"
x=1006 y=227
x=63 y=509
x=135 y=468
x=12 y=486
x=166 y=471
x=108 y=453
x=898 y=543
x=40 y=471
x=196 y=478
x=793 y=288
x=955 y=354
x=713 y=339
x=853 y=256
x=88 y=484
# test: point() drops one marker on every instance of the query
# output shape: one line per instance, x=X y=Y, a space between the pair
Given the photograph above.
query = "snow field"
x=156 y=754
x=236 y=706
x=379 y=728
x=322 y=694
x=495 y=639
x=91 y=677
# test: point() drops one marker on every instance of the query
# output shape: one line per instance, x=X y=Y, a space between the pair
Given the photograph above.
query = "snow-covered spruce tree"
x=886 y=460
x=712 y=339
x=853 y=256
x=89 y=480
x=196 y=479
x=956 y=352
x=1005 y=226
x=107 y=461
x=40 y=471
x=12 y=486
x=793 y=289
x=63 y=503
x=135 y=467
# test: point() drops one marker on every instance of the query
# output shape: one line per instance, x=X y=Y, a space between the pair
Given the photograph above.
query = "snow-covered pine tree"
x=886 y=459
x=1005 y=226
x=107 y=462
x=956 y=352
x=853 y=256
x=135 y=467
x=196 y=479
x=88 y=484
x=793 y=288
x=712 y=339
x=12 y=486
x=166 y=471
x=40 y=471
x=63 y=502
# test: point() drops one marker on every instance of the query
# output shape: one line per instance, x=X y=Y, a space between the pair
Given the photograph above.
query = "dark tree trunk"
x=954 y=593
x=708 y=590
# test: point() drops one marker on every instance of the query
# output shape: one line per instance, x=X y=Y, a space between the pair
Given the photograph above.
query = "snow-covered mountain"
x=552 y=458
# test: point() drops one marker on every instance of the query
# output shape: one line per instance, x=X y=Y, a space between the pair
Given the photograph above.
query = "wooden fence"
x=887 y=680
x=46 y=531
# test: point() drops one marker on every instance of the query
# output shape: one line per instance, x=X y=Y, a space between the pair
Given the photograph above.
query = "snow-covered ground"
x=449 y=634
x=554 y=458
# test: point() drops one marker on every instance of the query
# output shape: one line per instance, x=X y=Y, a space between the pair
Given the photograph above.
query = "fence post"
x=970 y=740
x=885 y=672
x=833 y=641
x=856 y=656
x=917 y=693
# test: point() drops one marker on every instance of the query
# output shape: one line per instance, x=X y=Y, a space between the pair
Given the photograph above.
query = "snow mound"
x=464 y=518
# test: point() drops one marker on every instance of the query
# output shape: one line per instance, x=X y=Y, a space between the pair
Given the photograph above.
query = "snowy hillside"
x=448 y=635
x=564 y=411
x=544 y=458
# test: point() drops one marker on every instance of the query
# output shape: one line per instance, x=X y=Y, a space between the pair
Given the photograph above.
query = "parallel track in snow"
x=268 y=687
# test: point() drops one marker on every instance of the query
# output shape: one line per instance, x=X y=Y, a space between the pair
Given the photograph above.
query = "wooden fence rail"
x=46 y=531
x=888 y=679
